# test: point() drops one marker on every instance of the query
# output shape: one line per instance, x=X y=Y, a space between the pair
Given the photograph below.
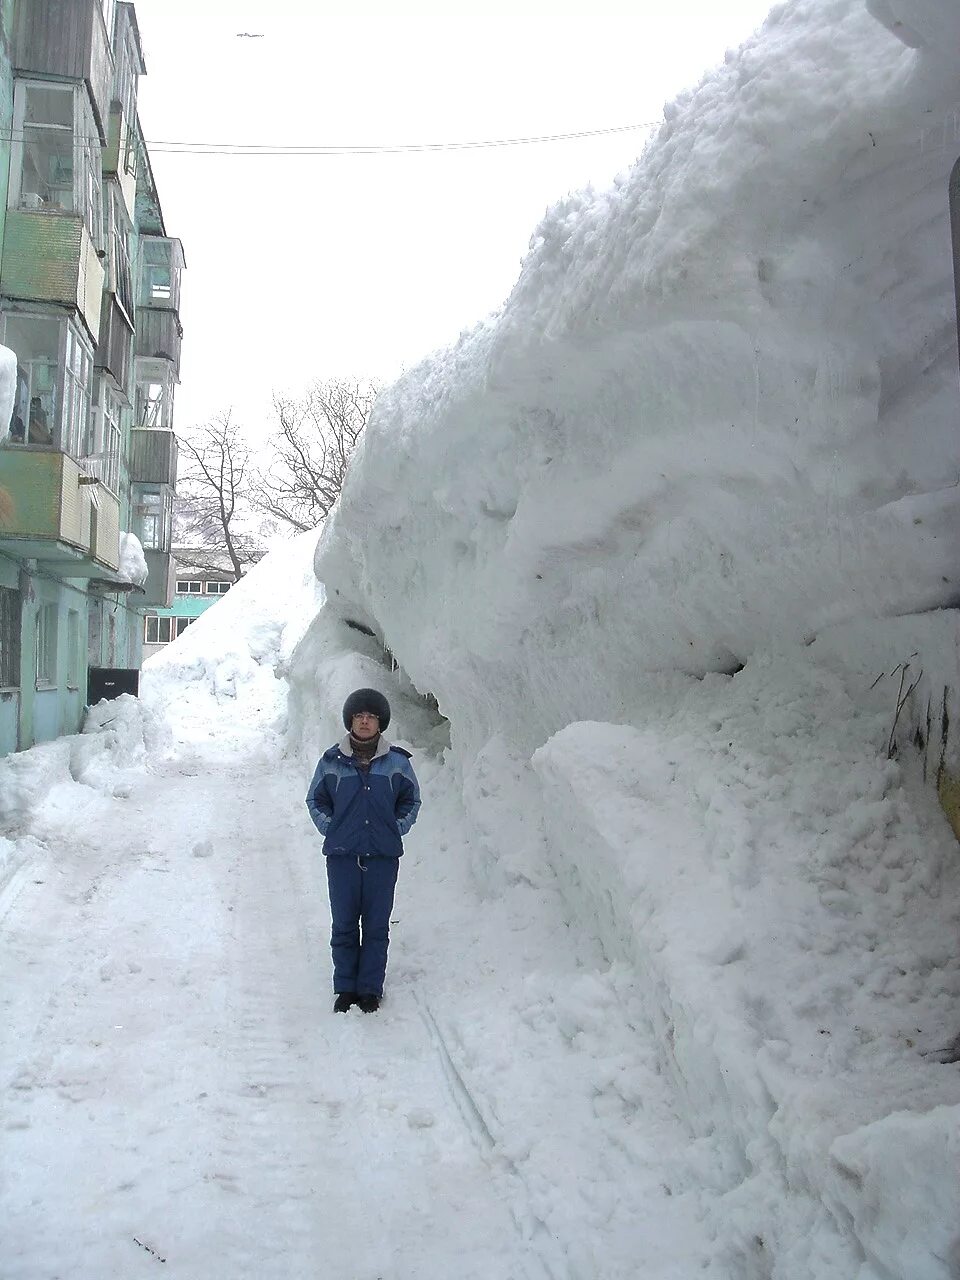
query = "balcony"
x=65 y=39
x=58 y=515
x=153 y=456
x=161 y=581
x=49 y=257
x=115 y=345
x=118 y=158
x=159 y=334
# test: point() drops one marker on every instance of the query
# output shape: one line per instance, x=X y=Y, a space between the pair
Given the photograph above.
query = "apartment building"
x=89 y=305
x=199 y=584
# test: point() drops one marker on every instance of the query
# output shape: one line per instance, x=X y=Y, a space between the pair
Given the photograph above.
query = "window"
x=127 y=62
x=188 y=588
x=159 y=630
x=9 y=638
x=47 y=645
x=77 y=370
x=161 y=264
x=104 y=437
x=36 y=343
x=154 y=509
x=132 y=156
x=119 y=277
x=54 y=364
x=73 y=649
x=155 y=384
x=182 y=624
x=218 y=588
x=56 y=163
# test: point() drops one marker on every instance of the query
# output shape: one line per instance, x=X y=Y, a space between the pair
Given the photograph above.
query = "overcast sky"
x=315 y=266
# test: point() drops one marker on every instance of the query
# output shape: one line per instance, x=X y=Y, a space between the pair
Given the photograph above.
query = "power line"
x=321 y=149
x=173 y=147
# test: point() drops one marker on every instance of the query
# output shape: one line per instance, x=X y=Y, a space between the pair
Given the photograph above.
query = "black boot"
x=344 y=1001
x=369 y=1003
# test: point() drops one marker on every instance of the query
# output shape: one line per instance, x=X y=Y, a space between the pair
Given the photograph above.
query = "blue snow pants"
x=361 y=899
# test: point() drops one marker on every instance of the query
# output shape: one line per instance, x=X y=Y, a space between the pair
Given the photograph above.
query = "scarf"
x=363 y=752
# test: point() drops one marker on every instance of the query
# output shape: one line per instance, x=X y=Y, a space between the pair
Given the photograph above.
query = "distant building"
x=89 y=304
x=195 y=591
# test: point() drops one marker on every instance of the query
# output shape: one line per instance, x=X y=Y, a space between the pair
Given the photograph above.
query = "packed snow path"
x=176 y=1087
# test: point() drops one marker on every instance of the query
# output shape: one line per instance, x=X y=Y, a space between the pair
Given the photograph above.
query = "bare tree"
x=317 y=435
x=212 y=513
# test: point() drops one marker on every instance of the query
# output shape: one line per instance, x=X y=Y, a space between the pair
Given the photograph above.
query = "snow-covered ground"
x=657 y=568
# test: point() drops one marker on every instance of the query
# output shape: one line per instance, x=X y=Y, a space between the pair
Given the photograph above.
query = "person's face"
x=364 y=725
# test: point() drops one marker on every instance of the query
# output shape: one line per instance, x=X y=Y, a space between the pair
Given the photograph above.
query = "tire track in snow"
x=548 y=1257
x=337 y=1137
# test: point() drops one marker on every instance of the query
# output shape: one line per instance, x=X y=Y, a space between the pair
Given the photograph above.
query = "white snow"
x=133 y=563
x=8 y=388
x=675 y=960
x=228 y=665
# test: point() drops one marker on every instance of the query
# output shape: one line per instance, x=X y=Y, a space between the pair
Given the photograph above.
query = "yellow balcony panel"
x=49 y=257
x=52 y=513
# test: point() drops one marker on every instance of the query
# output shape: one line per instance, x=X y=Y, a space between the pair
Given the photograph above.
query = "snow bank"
x=672 y=541
x=226 y=672
x=792 y=907
x=717 y=413
x=119 y=737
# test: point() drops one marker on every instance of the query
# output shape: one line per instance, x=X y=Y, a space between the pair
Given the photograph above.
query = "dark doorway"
x=110 y=682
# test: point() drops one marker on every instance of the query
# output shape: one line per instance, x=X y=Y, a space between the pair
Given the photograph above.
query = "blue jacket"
x=364 y=814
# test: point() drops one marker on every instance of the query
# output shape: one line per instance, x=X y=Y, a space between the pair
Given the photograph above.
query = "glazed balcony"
x=58 y=514
x=66 y=39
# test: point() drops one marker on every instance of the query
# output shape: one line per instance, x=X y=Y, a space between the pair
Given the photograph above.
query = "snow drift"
x=668 y=538
x=718 y=411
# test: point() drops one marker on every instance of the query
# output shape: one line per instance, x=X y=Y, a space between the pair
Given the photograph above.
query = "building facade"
x=196 y=589
x=89 y=305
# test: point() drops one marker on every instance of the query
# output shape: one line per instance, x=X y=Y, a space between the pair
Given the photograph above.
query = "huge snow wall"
x=718 y=411
x=715 y=424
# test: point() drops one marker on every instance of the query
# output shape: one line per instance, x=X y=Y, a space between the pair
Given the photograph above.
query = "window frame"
x=155 y=413
x=119 y=259
x=160 y=519
x=159 y=629
x=11 y=608
x=48 y=635
x=73 y=650
x=72 y=389
x=87 y=173
x=188 y=585
x=126 y=74
x=77 y=394
x=105 y=436
x=160 y=255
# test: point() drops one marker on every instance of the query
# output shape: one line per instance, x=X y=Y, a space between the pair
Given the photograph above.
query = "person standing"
x=363 y=799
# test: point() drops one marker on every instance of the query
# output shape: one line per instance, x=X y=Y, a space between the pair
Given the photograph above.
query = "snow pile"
x=792 y=907
x=119 y=737
x=658 y=538
x=8 y=389
x=717 y=413
x=133 y=563
x=228 y=667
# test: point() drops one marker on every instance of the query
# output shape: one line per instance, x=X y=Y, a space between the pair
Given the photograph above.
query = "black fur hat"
x=371 y=700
